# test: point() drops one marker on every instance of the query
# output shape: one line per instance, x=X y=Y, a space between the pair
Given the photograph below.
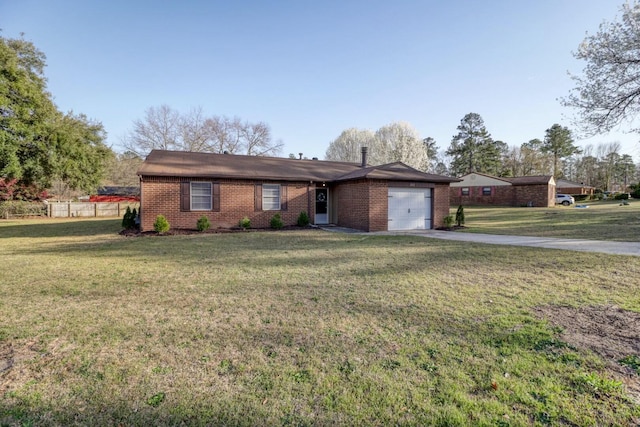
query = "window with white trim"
x=486 y=191
x=201 y=196
x=464 y=191
x=270 y=197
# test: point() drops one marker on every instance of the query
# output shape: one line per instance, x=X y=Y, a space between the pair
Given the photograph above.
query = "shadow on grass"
x=107 y=413
x=258 y=251
x=58 y=228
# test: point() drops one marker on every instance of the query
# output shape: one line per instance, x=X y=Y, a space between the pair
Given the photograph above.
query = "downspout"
x=141 y=198
x=309 y=202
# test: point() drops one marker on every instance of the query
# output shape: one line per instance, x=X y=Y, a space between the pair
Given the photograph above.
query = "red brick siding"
x=352 y=200
x=378 y=206
x=161 y=196
x=535 y=195
x=576 y=191
x=362 y=204
x=500 y=196
x=441 y=205
x=542 y=195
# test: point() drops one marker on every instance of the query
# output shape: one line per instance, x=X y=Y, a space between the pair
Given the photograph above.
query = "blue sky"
x=311 y=69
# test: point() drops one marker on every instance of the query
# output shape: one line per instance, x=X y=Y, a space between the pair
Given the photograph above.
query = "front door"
x=322 y=205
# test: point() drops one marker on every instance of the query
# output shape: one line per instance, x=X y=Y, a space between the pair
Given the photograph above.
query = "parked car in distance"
x=564 y=199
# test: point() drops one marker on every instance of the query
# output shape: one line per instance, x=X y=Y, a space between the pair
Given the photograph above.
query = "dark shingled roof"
x=232 y=166
x=529 y=180
x=563 y=183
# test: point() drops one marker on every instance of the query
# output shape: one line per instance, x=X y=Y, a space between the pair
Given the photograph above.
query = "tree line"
x=472 y=149
x=42 y=147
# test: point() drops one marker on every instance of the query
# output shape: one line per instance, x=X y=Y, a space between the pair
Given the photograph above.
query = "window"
x=201 y=197
x=464 y=191
x=486 y=191
x=270 y=197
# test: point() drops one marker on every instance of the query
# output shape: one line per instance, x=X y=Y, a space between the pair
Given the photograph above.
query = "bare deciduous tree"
x=160 y=129
x=165 y=129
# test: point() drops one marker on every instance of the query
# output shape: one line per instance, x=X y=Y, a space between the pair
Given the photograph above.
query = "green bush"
x=621 y=196
x=129 y=219
x=635 y=191
x=448 y=221
x=276 y=222
x=161 y=225
x=245 y=223
x=303 y=219
x=203 y=224
x=460 y=216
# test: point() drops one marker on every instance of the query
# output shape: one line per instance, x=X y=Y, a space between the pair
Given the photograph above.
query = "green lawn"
x=602 y=220
x=297 y=328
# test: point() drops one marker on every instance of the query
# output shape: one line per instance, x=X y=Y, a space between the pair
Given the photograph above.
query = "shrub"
x=276 y=222
x=460 y=216
x=129 y=219
x=448 y=221
x=621 y=196
x=245 y=223
x=203 y=224
x=635 y=191
x=303 y=219
x=161 y=225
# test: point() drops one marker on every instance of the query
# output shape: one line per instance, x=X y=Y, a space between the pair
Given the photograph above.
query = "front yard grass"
x=602 y=220
x=297 y=328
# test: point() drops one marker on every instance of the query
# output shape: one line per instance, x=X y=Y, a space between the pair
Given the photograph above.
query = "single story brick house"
x=574 y=188
x=481 y=189
x=183 y=186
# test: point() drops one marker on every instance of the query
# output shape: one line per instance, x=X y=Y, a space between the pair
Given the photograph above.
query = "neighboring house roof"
x=474 y=179
x=482 y=179
x=118 y=191
x=232 y=166
x=563 y=183
x=531 y=180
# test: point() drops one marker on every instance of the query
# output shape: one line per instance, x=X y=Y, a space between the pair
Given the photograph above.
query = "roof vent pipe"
x=364 y=157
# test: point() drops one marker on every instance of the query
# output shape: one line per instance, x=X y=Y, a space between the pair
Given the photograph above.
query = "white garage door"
x=409 y=209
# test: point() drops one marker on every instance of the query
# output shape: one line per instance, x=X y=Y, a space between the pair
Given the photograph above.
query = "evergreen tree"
x=559 y=143
x=473 y=149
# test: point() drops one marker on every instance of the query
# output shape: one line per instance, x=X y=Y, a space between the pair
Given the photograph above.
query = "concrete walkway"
x=601 y=246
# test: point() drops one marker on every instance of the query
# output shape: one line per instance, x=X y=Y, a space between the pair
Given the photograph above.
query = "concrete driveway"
x=607 y=247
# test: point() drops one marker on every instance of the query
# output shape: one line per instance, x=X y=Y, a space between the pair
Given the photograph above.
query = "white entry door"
x=409 y=209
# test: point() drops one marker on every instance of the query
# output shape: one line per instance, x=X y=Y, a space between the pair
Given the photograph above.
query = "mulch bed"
x=186 y=232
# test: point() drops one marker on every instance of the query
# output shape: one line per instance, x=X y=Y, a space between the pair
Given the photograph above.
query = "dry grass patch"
x=297 y=328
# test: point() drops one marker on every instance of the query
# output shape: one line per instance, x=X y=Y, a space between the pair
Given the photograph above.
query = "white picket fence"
x=89 y=209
